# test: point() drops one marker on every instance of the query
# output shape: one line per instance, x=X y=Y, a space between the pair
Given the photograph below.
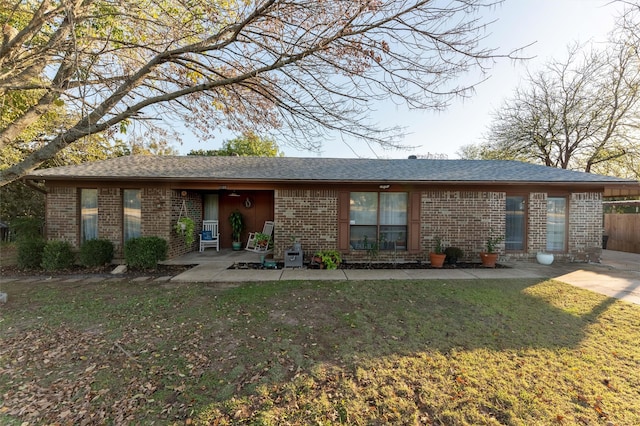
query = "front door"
x=256 y=207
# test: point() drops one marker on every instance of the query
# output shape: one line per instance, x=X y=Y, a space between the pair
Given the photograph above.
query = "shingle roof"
x=292 y=169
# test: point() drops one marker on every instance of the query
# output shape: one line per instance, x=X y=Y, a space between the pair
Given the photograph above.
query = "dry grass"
x=415 y=352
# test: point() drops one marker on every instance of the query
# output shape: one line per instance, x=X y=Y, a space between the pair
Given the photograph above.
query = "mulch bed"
x=364 y=265
x=82 y=272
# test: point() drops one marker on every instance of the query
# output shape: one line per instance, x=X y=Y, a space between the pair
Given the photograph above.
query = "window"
x=132 y=213
x=515 y=223
x=378 y=217
x=88 y=214
x=210 y=207
x=556 y=223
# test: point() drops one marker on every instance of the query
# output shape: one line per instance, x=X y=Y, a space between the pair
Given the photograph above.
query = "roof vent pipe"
x=413 y=157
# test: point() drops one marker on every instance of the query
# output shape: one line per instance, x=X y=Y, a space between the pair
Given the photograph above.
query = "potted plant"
x=453 y=254
x=295 y=243
x=185 y=226
x=490 y=257
x=328 y=259
x=437 y=257
x=237 y=225
x=262 y=240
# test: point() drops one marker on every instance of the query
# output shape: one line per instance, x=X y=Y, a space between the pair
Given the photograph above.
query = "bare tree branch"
x=305 y=69
x=577 y=113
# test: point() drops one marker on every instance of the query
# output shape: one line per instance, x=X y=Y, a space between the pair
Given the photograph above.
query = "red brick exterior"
x=62 y=214
x=160 y=210
x=110 y=217
x=193 y=206
x=309 y=214
x=460 y=218
x=537 y=222
x=585 y=227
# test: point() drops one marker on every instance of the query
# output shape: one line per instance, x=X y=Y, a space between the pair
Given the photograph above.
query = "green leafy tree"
x=20 y=199
x=247 y=145
x=303 y=68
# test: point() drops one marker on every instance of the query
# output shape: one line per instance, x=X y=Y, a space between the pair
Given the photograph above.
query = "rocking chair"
x=253 y=245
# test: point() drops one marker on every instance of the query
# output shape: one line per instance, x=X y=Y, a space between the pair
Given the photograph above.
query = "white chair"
x=209 y=237
x=252 y=244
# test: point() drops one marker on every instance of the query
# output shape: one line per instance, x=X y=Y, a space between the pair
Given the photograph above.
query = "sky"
x=551 y=25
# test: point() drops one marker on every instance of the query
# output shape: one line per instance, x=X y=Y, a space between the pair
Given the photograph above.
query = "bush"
x=58 y=255
x=145 y=252
x=453 y=254
x=96 y=253
x=30 y=252
x=26 y=228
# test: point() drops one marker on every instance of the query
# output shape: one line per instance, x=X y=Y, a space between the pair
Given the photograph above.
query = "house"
x=346 y=204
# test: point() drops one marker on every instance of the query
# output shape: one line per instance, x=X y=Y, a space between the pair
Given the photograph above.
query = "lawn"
x=444 y=352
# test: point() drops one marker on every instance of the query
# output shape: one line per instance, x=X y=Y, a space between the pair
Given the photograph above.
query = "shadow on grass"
x=282 y=329
x=203 y=344
x=381 y=318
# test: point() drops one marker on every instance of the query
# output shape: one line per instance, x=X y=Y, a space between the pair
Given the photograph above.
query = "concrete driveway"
x=618 y=275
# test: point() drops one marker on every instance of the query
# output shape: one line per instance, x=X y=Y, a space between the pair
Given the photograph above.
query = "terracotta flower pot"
x=437 y=259
x=489 y=259
x=318 y=261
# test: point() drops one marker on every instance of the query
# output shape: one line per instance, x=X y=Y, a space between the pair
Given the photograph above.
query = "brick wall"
x=62 y=214
x=110 y=218
x=537 y=223
x=310 y=214
x=160 y=211
x=193 y=206
x=585 y=226
x=463 y=219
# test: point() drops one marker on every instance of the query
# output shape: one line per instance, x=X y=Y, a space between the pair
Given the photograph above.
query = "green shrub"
x=58 y=255
x=454 y=252
x=145 y=252
x=26 y=228
x=330 y=258
x=96 y=253
x=30 y=252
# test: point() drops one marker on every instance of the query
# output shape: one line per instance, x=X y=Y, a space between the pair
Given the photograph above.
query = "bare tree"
x=303 y=67
x=577 y=113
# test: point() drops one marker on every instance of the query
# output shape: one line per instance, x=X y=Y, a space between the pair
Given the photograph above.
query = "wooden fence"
x=623 y=231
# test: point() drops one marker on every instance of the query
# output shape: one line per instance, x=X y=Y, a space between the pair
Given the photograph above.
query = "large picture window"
x=88 y=214
x=132 y=213
x=515 y=223
x=556 y=223
x=378 y=218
